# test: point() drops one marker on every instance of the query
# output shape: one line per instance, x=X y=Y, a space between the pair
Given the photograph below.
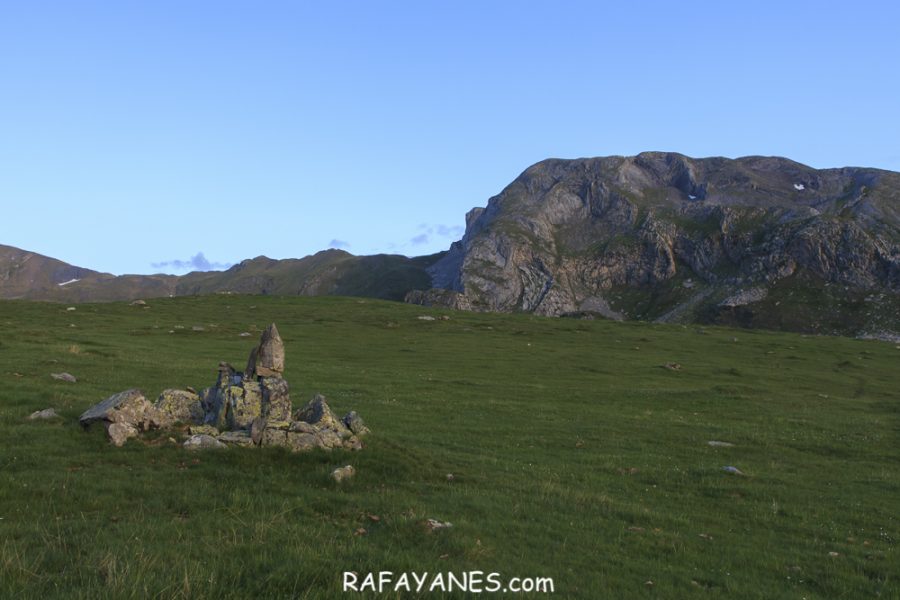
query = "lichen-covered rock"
x=119 y=433
x=299 y=442
x=203 y=442
x=270 y=353
x=329 y=439
x=274 y=437
x=303 y=427
x=276 y=398
x=355 y=423
x=318 y=413
x=353 y=443
x=129 y=407
x=178 y=406
x=203 y=429
x=243 y=404
x=236 y=438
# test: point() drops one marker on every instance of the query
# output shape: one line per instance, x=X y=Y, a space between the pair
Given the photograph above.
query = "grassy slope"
x=576 y=456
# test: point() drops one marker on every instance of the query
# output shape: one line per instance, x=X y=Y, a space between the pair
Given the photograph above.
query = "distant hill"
x=756 y=241
x=32 y=276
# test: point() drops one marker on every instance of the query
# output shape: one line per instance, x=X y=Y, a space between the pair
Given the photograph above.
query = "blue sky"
x=138 y=137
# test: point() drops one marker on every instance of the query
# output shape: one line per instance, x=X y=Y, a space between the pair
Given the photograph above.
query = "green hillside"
x=575 y=455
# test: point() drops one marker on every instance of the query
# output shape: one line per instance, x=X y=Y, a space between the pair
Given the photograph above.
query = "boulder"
x=299 y=442
x=342 y=473
x=329 y=439
x=178 y=406
x=119 y=433
x=276 y=398
x=129 y=407
x=274 y=437
x=203 y=442
x=243 y=404
x=236 y=438
x=67 y=377
x=270 y=353
x=257 y=427
x=354 y=423
x=318 y=413
x=302 y=427
x=203 y=429
x=47 y=413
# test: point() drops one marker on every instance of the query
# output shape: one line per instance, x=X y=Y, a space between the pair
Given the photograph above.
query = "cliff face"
x=755 y=241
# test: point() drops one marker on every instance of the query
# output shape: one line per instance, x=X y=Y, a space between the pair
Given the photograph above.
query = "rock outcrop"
x=755 y=241
x=250 y=408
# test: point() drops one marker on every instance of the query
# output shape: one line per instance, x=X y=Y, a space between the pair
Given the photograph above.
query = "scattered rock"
x=198 y=328
x=672 y=366
x=434 y=525
x=450 y=477
x=834 y=554
x=342 y=473
x=70 y=309
x=244 y=334
x=139 y=303
x=47 y=413
x=445 y=317
x=203 y=442
x=64 y=377
x=732 y=470
x=718 y=444
x=426 y=318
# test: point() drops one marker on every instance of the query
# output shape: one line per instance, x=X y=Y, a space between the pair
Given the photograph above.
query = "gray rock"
x=299 y=442
x=256 y=430
x=352 y=443
x=119 y=433
x=203 y=442
x=303 y=427
x=243 y=404
x=318 y=413
x=47 y=413
x=276 y=398
x=718 y=444
x=329 y=439
x=129 y=407
x=354 y=423
x=343 y=473
x=68 y=377
x=270 y=353
x=236 y=438
x=274 y=437
x=178 y=406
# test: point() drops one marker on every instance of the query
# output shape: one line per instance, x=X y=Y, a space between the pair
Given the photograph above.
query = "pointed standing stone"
x=270 y=354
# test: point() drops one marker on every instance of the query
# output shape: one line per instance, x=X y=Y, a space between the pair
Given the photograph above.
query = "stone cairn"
x=252 y=408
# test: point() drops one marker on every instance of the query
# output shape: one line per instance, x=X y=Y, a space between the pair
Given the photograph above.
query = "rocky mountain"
x=331 y=272
x=755 y=241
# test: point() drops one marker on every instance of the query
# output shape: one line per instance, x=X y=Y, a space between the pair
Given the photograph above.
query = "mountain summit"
x=754 y=241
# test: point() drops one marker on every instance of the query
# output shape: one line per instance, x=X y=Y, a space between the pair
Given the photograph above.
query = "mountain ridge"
x=757 y=241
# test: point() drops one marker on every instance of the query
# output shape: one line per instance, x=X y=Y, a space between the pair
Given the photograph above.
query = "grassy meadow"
x=575 y=455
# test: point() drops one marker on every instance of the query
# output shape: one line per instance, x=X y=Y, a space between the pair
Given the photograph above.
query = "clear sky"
x=135 y=134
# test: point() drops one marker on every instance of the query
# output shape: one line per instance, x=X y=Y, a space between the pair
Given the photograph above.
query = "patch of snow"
x=692 y=197
x=68 y=282
x=799 y=187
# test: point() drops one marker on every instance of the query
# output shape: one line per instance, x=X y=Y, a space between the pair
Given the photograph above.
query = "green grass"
x=576 y=456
